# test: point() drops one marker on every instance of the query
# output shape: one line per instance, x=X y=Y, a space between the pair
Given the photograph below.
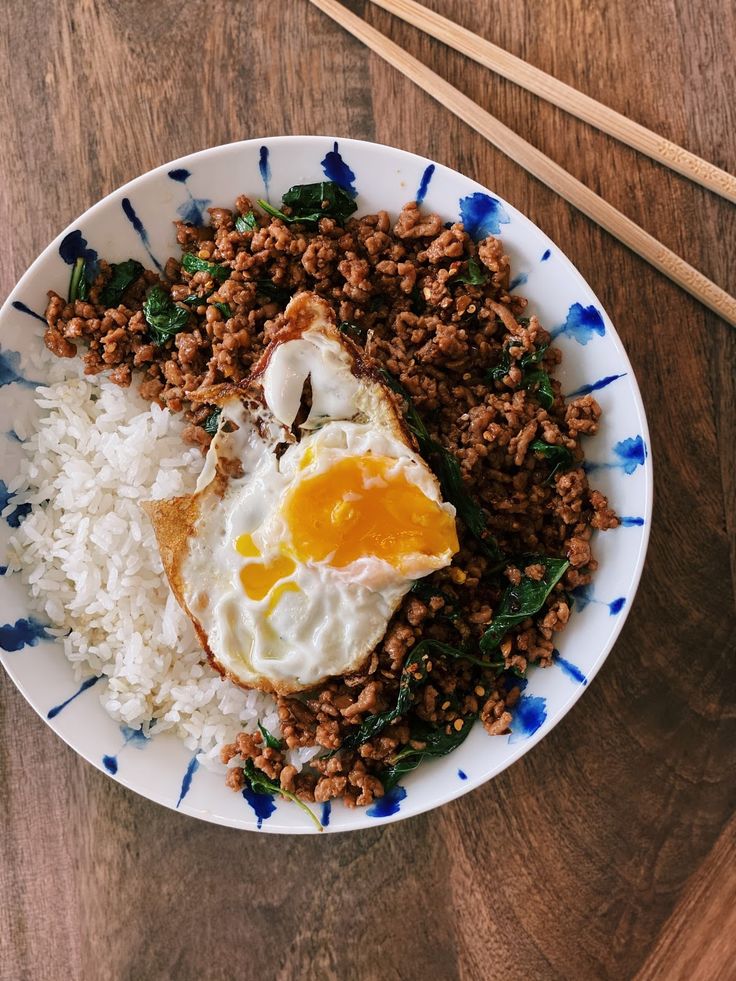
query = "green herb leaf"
x=78 y=281
x=559 y=457
x=474 y=275
x=247 y=222
x=524 y=600
x=418 y=304
x=224 y=310
x=426 y=591
x=499 y=372
x=269 y=289
x=533 y=357
x=413 y=674
x=310 y=202
x=438 y=742
x=270 y=740
x=352 y=330
x=539 y=383
x=163 y=317
x=212 y=422
x=193 y=264
x=448 y=472
x=261 y=784
x=122 y=276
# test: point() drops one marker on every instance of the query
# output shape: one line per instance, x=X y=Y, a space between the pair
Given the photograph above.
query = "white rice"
x=88 y=555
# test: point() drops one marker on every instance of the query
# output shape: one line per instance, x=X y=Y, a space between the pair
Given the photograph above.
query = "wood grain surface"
x=610 y=850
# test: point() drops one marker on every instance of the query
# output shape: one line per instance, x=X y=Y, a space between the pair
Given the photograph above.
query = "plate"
x=136 y=221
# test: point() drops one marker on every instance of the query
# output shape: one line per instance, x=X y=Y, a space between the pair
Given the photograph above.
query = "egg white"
x=323 y=621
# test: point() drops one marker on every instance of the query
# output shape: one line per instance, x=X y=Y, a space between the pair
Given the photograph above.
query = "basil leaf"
x=212 y=422
x=438 y=742
x=448 y=472
x=475 y=274
x=499 y=372
x=558 y=456
x=533 y=357
x=540 y=384
x=418 y=303
x=352 y=330
x=270 y=740
x=524 y=600
x=310 y=202
x=193 y=264
x=123 y=275
x=224 y=310
x=269 y=289
x=413 y=674
x=426 y=591
x=163 y=317
x=261 y=784
x=78 y=281
x=247 y=222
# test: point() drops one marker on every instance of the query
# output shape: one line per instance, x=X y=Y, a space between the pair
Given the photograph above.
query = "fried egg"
x=312 y=518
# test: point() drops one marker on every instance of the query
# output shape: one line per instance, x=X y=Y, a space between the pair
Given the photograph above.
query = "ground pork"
x=403 y=292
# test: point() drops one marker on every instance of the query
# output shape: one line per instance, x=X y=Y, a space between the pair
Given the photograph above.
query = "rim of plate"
x=413 y=806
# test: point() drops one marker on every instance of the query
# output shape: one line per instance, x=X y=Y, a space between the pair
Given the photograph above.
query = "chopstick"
x=564 y=96
x=537 y=164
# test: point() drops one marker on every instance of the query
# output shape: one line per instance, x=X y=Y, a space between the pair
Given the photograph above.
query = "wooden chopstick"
x=537 y=164
x=564 y=96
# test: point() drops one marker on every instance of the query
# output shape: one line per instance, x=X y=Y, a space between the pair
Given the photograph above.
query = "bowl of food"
x=325 y=485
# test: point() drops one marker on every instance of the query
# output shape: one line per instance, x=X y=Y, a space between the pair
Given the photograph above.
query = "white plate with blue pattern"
x=137 y=221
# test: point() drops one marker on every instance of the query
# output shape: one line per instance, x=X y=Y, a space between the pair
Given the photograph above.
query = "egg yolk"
x=258 y=578
x=359 y=508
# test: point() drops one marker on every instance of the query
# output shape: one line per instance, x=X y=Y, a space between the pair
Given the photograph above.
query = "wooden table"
x=610 y=850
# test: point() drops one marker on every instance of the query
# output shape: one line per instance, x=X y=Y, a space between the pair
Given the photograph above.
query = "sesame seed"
x=445 y=705
x=429 y=665
x=458 y=723
x=479 y=690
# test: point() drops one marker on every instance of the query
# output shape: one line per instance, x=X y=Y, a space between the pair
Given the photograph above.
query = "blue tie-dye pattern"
x=424 y=183
x=482 y=215
x=23 y=633
x=13 y=436
x=629 y=521
x=262 y=804
x=86 y=684
x=186 y=782
x=3 y=570
x=631 y=452
x=135 y=737
x=74 y=246
x=129 y=212
x=335 y=169
x=10 y=370
x=545 y=255
x=192 y=211
x=582 y=324
x=584 y=596
x=595 y=386
x=22 y=308
x=530 y=713
x=17 y=514
x=326 y=812
x=387 y=805
x=518 y=281
x=462 y=774
x=570 y=669
x=264 y=168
